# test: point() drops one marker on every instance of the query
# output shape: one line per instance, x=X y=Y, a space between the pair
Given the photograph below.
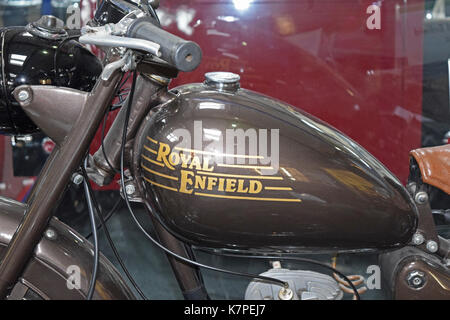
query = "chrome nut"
x=23 y=95
x=50 y=234
x=418 y=239
x=77 y=179
x=416 y=279
x=421 y=197
x=432 y=246
x=285 y=294
x=130 y=189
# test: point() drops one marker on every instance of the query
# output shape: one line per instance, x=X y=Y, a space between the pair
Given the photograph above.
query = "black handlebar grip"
x=183 y=55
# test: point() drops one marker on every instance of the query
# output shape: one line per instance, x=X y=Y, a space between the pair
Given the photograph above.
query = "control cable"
x=58 y=49
x=113 y=107
x=110 y=241
x=153 y=12
x=94 y=232
x=102 y=219
x=108 y=216
x=356 y=280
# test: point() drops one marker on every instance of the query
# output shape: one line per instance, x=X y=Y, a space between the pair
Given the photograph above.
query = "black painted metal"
x=112 y=11
x=27 y=59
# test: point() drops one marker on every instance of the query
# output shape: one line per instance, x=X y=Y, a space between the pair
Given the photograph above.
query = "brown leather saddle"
x=434 y=163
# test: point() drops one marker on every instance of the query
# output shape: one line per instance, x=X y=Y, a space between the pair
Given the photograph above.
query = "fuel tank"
x=230 y=168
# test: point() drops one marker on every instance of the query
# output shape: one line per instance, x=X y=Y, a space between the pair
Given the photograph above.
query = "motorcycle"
x=183 y=154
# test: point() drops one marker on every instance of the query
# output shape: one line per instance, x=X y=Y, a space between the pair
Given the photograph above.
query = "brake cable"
x=153 y=12
x=112 y=108
x=94 y=232
x=113 y=247
x=356 y=280
x=108 y=216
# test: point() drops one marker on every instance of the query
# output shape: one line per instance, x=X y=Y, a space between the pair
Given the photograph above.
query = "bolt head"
x=285 y=294
x=416 y=279
x=23 y=95
x=130 y=189
x=418 y=239
x=50 y=234
x=421 y=197
x=77 y=179
x=432 y=246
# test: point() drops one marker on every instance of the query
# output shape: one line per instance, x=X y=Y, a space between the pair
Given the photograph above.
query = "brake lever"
x=107 y=40
x=112 y=35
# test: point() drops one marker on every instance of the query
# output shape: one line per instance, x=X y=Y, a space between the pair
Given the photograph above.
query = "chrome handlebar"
x=137 y=32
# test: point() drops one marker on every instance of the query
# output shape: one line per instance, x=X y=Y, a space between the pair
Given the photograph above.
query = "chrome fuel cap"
x=48 y=27
x=223 y=81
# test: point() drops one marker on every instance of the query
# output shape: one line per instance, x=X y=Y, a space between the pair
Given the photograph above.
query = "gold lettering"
x=195 y=163
x=174 y=158
x=163 y=152
x=212 y=181
x=186 y=181
x=200 y=182
x=185 y=160
x=241 y=186
x=255 y=186
x=231 y=185
x=221 y=184
x=205 y=165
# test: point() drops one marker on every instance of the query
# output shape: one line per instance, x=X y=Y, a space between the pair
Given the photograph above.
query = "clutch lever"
x=107 y=40
x=113 y=35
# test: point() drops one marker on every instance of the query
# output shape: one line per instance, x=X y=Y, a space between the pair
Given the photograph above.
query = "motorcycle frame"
x=56 y=176
x=51 y=183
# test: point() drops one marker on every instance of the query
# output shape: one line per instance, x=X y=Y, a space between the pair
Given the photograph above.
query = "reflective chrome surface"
x=227 y=81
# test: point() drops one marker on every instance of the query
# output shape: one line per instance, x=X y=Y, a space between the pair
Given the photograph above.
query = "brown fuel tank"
x=231 y=168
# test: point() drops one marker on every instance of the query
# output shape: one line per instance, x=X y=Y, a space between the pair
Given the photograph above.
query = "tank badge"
x=193 y=172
